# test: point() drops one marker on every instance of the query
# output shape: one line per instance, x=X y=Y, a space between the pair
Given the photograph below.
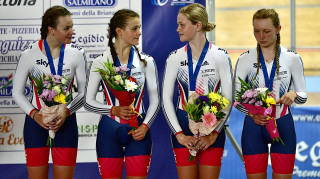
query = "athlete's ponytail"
x=120 y=19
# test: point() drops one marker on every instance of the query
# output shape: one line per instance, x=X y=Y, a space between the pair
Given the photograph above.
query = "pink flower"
x=48 y=95
x=57 y=77
x=252 y=101
x=267 y=112
x=45 y=93
x=124 y=68
x=249 y=93
x=116 y=69
x=51 y=95
x=209 y=119
x=258 y=103
x=246 y=101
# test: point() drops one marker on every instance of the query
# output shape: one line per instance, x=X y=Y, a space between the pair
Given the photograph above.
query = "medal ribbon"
x=268 y=81
x=50 y=60
x=193 y=76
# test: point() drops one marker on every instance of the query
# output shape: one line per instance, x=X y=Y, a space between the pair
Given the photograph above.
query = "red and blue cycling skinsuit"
x=113 y=141
x=215 y=73
x=255 y=138
x=35 y=63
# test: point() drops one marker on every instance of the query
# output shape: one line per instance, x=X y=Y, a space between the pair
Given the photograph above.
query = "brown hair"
x=120 y=19
x=197 y=13
x=273 y=15
x=50 y=18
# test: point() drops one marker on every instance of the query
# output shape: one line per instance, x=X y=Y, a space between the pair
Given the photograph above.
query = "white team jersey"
x=290 y=75
x=215 y=72
x=34 y=62
x=142 y=75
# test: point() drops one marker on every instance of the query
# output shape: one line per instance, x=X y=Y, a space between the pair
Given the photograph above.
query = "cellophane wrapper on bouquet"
x=205 y=113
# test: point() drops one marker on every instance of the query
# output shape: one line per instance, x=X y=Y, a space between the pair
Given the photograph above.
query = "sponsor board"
x=87 y=129
x=14 y=39
x=9 y=9
x=94 y=42
x=93 y=8
x=11 y=132
x=6 y=100
x=307 y=163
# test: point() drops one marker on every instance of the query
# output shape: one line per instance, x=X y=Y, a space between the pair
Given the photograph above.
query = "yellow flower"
x=214 y=109
x=225 y=103
x=60 y=99
x=270 y=101
x=214 y=96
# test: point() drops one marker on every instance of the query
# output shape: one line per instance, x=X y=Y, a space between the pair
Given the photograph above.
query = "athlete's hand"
x=258 y=119
x=124 y=112
x=139 y=133
x=60 y=119
x=206 y=141
x=38 y=119
x=188 y=141
x=288 y=98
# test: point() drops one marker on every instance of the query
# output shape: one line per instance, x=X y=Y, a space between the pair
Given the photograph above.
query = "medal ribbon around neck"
x=130 y=61
x=50 y=60
x=193 y=76
x=268 y=81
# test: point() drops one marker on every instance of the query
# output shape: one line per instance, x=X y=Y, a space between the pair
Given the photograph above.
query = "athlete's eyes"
x=66 y=28
x=136 y=28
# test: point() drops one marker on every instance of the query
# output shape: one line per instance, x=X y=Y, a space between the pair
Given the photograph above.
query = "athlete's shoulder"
x=290 y=53
x=74 y=48
x=31 y=48
x=250 y=52
x=218 y=50
x=178 y=52
x=102 y=57
x=145 y=56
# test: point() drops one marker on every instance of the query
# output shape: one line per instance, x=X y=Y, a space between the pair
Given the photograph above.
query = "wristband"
x=296 y=94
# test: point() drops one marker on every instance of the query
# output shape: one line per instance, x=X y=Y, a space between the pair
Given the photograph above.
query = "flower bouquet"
x=122 y=86
x=53 y=94
x=205 y=114
x=259 y=101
